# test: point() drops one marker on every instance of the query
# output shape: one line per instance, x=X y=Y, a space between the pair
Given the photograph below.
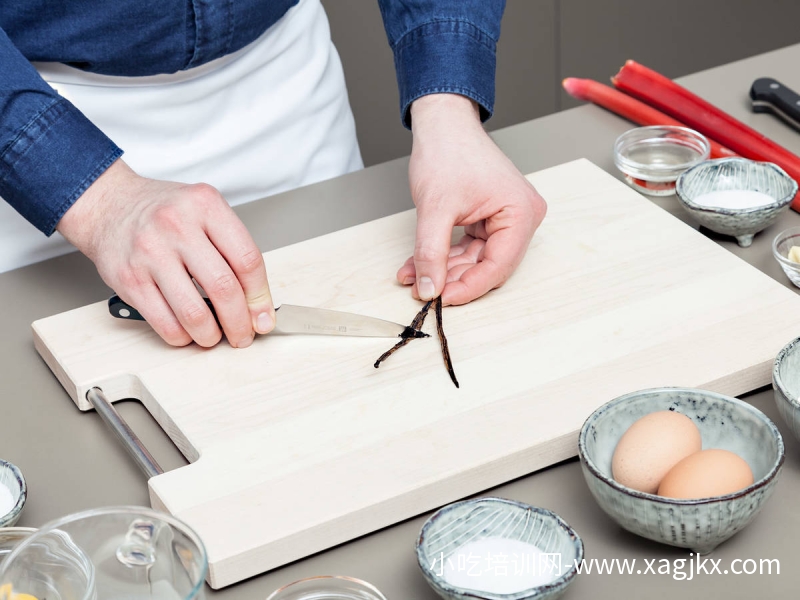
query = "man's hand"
x=148 y=238
x=458 y=176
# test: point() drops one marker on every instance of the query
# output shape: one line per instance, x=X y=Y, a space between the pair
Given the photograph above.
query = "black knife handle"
x=122 y=310
x=770 y=95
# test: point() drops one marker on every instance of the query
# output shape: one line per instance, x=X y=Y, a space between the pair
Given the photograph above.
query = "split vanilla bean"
x=443 y=340
x=413 y=331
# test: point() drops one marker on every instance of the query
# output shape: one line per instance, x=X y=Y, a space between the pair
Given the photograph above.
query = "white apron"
x=271 y=117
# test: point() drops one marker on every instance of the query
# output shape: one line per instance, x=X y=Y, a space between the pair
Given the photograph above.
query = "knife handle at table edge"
x=770 y=95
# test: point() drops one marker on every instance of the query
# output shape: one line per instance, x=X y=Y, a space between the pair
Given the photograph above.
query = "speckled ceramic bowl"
x=736 y=174
x=724 y=422
x=11 y=477
x=460 y=523
x=786 y=382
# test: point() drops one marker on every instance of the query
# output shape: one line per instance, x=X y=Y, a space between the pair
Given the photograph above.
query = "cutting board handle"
x=124 y=433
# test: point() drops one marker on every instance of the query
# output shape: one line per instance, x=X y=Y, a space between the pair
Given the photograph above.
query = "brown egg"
x=651 y=447
x=705 y=474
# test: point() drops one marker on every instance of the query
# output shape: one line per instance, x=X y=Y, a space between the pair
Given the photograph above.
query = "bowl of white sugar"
x=498 y=549
x=736 y=196
x=13 y=493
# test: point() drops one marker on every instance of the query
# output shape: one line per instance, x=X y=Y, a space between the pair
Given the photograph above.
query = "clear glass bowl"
x=328 y=587
x=652 y=158
x=127 y=552
x=10 y=537
x=780 y=250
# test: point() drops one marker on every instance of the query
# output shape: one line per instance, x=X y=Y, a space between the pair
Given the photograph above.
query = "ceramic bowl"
x=736 y=174
x=10 y=537
x=786 y=383
x=724 y=422
x=463 y=522
x=781 y=245
x=328 y=586
x=11 y=477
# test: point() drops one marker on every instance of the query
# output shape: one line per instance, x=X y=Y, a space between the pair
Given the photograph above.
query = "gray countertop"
x=72 y=462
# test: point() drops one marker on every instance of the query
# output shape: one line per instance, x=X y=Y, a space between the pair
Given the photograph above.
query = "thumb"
x=434 y=231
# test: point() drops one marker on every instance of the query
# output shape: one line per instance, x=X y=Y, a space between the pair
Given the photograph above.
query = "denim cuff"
x=446 y=56
x=51 y=162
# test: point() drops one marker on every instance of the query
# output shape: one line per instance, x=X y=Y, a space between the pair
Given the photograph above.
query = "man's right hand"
x=148 y=238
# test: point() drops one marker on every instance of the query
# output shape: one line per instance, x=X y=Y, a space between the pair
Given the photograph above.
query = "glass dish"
x=328 y=587
x=10 y=537
x=126 y=552
x=780 y=250
x=652 y=158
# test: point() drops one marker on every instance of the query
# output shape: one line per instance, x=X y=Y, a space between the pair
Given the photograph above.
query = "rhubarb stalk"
x=630 y=108
x=677 y=101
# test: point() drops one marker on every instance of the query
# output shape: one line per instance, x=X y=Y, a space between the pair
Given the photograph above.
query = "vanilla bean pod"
x=443 y=340
x=411 y=332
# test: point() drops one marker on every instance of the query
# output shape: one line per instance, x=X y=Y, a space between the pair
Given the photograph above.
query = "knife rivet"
x=774 y=86
x=124 y=313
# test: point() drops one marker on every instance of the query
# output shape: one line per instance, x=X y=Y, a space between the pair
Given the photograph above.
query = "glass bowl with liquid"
x=652 y=158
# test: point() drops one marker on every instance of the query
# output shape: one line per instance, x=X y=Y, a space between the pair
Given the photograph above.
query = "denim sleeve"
x=49 y=151
x=444 y=46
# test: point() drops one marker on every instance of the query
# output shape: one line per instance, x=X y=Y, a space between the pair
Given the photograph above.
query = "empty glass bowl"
x=130 y=553
x=328 y=586
x=652 y=158
x=10 y=537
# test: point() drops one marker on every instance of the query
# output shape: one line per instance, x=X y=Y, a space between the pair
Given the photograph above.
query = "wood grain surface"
x=298 y=444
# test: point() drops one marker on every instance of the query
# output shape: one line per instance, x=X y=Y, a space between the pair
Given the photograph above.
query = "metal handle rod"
x=129 y=440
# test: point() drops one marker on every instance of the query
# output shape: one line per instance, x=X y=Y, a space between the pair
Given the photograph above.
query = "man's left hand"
x=459 y=177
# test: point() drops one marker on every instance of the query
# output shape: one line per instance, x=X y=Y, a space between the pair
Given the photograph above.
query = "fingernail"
x=425 y=288
x=245 y=342
x=264 y=323
x=409 y=280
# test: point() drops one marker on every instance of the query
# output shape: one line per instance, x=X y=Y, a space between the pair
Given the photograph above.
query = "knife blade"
x=770 y=95
x=292 y=319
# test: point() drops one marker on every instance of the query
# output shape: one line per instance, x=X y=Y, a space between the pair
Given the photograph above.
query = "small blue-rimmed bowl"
x=736 y=174
x=462 y=522
x=11 y=477
x=698 y=524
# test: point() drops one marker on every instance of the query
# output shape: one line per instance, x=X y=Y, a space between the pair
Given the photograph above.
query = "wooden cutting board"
x=298 y=443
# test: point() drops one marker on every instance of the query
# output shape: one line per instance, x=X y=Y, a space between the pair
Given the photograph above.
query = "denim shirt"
x=50 y=153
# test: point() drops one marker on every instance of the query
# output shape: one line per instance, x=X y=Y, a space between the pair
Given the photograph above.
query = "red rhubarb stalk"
x=677 y=101
x=632 y=109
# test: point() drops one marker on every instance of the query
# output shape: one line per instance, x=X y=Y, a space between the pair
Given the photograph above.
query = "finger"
x=431 y=251
x=406 y=274
x=150 y=303
x=462 y=245
x=477 y=230
x=454 y=273
x=188 y=306
x=502 y=254
x=471 y=254
x=216 y=277
x=236 y=245
x=467 y=251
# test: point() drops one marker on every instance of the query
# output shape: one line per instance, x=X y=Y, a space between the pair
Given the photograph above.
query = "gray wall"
x=544 y=41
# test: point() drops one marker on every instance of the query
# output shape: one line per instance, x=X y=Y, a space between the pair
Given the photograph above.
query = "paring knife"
x=303 y=319
x=770 y=95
